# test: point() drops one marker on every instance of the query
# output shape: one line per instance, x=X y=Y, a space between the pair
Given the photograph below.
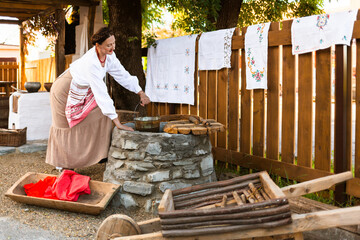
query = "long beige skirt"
x=84 y=144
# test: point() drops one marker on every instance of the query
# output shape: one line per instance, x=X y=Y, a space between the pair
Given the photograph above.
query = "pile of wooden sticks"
x=225 y=206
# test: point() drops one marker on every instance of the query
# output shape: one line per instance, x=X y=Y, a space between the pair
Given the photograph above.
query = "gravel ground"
x=60 y=223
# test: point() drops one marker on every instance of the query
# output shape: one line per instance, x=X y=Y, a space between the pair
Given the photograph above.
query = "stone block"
x=30 y=148
x=130 y=145
x=127 y=201
x=139 y=188
x=136 y=155
x=166 y=157
x=142 y=167
x=6 y=150
x=118 y=164
x=153 y=148
x=119 y=155
x=177 y=174
x=183 y=163
x=207 y=165
x=123 y=174
x=158 y=176
x=173 y=185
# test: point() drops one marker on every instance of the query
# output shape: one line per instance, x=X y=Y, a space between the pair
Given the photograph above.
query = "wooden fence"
x=8 y=72
x=261 y=124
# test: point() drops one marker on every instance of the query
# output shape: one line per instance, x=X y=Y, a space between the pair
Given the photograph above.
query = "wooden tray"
x=94 y=203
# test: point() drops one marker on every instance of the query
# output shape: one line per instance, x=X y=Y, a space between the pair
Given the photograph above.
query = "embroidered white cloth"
x=170 y=70
x=215 y=49
x=256 y=50
x=321 y=31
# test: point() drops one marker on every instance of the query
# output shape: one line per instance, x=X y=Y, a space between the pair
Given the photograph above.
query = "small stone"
x=158 y=176
x=118 y=155
x=118 y=164
x=200 y=152
x=183 y=163
x=172 y=185
x=207 y=165
x=30 y=148
x=127 y=201
x=7 y=150
x=136 y=155
x=153 y=148
x=130 y=145
x=123 y=174
x=177 y=174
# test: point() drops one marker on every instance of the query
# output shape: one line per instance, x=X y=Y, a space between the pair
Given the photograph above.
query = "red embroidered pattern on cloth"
x=79 y=104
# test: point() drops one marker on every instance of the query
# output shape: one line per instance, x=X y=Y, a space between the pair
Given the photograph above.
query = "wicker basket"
x=12 y=137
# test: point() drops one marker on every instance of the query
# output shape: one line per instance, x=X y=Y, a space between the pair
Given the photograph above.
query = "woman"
x=82 y=109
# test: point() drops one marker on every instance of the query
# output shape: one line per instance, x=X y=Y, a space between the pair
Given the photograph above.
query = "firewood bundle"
x=246 y=202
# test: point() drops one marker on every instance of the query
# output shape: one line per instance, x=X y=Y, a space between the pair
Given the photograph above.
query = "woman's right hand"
x=121 y=126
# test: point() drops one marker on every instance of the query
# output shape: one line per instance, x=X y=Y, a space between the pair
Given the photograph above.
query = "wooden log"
x=249 y=196
x=226 y=216
x=255 y=192
x=211 y=203
x=184 y=130
x=243 y=198
x=199 y=130
x=214 y=184
x=229 y=222
x=236 y=209
x=223 y=202
x=264 y=194
x=237 y=199
x=223 y=229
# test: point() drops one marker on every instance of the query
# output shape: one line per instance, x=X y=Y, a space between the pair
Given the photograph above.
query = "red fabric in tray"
x=68 y=186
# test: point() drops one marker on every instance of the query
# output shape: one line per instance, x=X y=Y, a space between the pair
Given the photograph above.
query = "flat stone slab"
x=6 y=150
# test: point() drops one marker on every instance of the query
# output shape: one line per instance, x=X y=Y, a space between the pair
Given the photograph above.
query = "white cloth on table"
x=215 y=49
x=256 y=54
x=88 y=73
x=170 y=70
x=321 y=31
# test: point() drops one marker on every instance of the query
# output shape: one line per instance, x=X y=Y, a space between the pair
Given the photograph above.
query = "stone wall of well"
x=146 y=164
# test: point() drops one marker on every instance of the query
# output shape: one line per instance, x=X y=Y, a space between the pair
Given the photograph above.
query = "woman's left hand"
x=144 y=99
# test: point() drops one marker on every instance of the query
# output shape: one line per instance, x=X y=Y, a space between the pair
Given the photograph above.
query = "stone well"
x=146 y=164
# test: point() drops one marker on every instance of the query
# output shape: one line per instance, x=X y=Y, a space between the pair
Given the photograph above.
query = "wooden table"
x=7 y=86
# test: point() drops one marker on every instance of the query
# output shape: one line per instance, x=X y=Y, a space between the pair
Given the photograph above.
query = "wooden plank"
x=166 y=203
x=315 y=185
x=246 y=107
x=270 y=187
x=357 y=121
x=300 y=223
x=259 y=122
x=22 y=79
x=353 y=187
x=272 y=133
x=323 y=110
x=9 y=66
x=212 y=100
x=222 y=105
x=184 y=108
x=288 y=103
x=233 y=133
x=203 y=82
x=305 y=110
x=283 y=169
x=60 y=42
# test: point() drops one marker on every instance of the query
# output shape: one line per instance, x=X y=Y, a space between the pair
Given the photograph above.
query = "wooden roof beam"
x=5 y=21
x=24 y=6
x=55 y=2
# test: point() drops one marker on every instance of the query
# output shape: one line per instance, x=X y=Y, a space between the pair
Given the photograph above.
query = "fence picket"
x=212 y=100
x=288 y=103
x=222 y=105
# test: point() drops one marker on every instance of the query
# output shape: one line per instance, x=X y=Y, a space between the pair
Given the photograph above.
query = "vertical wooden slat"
x=212 y=100
x=60 y=42
x=246 y=108
x=357 y=101
x=233 y=129
x=259 y=122
x=272 y=130
x=222 y=105
x=194 y=108
x=184 y=108
x=288 y=103
x=22 y=81
x=323 y=110
x=203 y=87
x=305 y=101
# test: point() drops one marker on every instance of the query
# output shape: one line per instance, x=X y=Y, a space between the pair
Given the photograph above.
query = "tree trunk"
x=229 y=14
x=125 y=21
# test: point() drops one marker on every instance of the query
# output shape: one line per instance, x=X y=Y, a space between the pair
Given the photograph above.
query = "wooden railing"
x=261 y=124
x=8 y=73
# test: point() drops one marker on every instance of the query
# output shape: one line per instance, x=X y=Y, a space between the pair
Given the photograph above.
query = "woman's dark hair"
x=101 y=35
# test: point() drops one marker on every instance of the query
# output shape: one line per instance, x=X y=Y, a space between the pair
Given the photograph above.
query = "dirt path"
x=73 y=225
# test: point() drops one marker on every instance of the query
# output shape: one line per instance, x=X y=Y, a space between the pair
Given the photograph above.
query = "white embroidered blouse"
x=88 y=72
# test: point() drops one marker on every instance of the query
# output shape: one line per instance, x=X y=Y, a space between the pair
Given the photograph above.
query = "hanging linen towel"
x=256 y=54
x=321 y=31
x=170 y=70
x=215 y=49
